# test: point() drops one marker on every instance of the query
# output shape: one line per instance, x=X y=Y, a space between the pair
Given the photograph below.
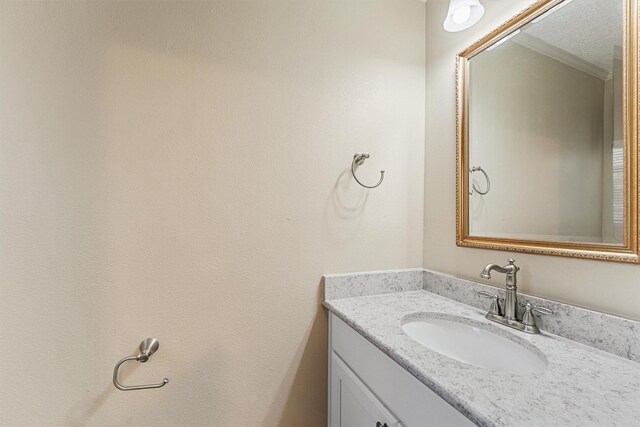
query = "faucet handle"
x=495 y=305
x=528 y=318
x=486 y=294
x=535 y=308
x=541 y=310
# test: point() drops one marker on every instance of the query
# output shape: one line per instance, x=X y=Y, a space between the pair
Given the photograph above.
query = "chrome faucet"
x=511 y=295
x=510 y=317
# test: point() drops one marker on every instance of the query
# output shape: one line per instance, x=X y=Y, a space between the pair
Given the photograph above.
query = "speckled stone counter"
x=581 y=386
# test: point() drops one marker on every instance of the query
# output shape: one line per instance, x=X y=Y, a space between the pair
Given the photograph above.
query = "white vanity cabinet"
x=368 y=389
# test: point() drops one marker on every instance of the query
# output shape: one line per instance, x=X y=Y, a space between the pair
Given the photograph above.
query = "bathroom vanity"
x=382 y=371
x=364 y=383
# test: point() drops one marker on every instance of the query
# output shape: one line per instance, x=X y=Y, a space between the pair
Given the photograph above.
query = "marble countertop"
x=581 y=385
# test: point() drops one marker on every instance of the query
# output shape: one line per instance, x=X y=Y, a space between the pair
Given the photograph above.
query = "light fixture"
x=462 y=14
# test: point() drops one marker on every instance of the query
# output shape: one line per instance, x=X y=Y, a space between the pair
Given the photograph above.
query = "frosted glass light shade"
x=462 y=14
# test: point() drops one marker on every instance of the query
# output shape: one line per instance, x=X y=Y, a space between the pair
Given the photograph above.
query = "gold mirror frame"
x=628 y=251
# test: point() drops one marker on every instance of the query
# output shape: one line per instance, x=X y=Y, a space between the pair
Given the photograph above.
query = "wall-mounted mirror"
x=547 y=133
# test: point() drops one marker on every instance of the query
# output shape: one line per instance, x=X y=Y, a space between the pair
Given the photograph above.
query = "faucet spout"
x=486 y=271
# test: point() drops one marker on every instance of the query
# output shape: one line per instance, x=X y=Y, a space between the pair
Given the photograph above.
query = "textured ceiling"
x=588 y=29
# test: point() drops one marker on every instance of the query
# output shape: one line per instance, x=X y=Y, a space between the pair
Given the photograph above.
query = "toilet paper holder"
x=147 y=347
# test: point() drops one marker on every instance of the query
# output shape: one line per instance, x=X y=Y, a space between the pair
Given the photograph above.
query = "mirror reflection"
x=546 y=135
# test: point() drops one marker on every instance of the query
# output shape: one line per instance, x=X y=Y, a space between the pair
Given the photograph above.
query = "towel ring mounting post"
x=358 y=159
x=147 y=348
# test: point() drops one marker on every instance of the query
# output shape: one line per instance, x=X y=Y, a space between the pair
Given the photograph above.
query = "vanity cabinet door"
x=352 y=403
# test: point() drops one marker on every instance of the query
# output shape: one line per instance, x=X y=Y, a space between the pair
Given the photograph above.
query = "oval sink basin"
x=470 y=342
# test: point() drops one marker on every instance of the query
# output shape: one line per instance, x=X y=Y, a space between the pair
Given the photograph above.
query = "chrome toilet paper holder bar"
x=147 y=348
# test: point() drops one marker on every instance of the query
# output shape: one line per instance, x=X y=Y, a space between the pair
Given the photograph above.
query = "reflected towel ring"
x=359 y=159
x=474 y=187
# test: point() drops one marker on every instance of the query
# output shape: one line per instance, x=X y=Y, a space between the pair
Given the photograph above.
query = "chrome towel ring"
x=359 y=159
x=474 y=187
x=147 y=348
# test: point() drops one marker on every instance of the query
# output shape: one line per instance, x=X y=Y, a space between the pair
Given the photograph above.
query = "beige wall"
x=179 y=170
x=610 y=287
x=552 y=142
